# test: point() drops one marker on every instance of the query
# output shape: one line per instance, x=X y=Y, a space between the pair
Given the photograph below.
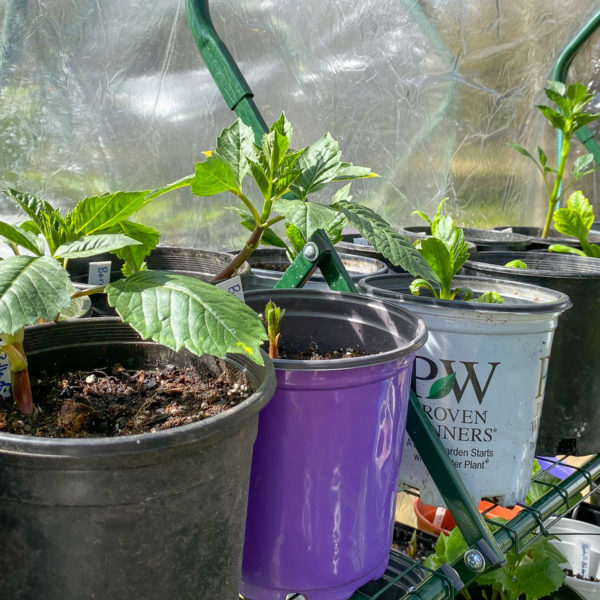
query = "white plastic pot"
x=580 y=544
x=499 y=353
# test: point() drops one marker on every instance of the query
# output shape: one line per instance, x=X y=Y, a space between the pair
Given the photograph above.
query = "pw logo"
x=426 y=369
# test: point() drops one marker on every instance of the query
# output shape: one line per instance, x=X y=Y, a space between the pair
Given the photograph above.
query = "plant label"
x=99 y=272
x=233 y=286
x=361 y=241
x=4 y=375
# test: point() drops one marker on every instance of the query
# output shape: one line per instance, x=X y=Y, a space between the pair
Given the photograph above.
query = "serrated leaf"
x=183 y=312
x=235 y=145
x=12 y=234
x=319 y=164
x=335 y=228
x=213 y=176
x=99 y=213
x=441 y=387
x=581 y=164
x=553 y=117
x=584 y=119
x=306 y=216
x=31 y=204
x=539 y=578
x=557 y=86
x=283 y=126
x=135 y=254
x=379 y=233
x=90 y=245
x=563 y=103
x=489 y=298
x=31 y=288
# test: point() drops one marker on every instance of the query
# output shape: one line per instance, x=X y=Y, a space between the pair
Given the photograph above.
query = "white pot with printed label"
x=493 y=359
x=579 y=542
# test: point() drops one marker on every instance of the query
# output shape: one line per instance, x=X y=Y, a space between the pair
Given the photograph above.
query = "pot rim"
x=556 y=301
x=329 y=297
x=147 y=442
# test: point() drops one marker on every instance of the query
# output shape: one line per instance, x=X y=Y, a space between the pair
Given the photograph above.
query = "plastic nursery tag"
x=233 y=286
x=4 y=375
x=99 y=273
x=361 y=241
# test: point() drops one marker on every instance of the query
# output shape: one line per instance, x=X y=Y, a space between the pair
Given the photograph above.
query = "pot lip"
x=397 y=353
x=474 y=234
x=94 y=447
x=549 y=257
x=556 y=301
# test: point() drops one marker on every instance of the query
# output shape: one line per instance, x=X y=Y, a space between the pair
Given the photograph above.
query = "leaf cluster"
x=286 y=180
x=576 y=220
x=445 y=252
x=533 y=573
x=567 y=115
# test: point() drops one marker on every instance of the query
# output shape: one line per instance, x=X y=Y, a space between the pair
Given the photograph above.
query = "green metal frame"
x=320 y=253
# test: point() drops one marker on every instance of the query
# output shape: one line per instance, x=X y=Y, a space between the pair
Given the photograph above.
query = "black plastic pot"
x=151 y=516
x=201 y=264
x=269 y=264
x=536 y=242
x=570 y=418
x=483 y=239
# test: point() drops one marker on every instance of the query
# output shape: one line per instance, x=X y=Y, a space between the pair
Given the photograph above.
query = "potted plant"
x=286 y=180
x=569 y=422
x=489 y=342
x=116 y=242
x=566 y=116
x=325 y=464
x=154 y=515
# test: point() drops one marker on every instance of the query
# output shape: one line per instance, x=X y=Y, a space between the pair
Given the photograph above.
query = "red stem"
x=21 y=391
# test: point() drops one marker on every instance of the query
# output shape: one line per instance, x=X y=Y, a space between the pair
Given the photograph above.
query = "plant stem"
x=19 y=373
x=238 y=260
x=564 y=153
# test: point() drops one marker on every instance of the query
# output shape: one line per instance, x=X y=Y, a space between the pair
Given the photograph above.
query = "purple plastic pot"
x=325 y=463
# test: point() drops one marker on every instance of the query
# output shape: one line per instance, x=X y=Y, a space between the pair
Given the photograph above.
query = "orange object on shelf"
x=436 y=519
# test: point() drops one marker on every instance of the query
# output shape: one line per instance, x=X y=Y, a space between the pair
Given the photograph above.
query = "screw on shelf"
x=474 y=560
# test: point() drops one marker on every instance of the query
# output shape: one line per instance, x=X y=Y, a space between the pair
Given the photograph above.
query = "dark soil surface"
x=403 y=536
x=115 y=402
x=578 y=576
x=312 y=353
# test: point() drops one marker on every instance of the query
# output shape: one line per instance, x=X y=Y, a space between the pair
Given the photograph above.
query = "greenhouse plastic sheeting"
x=113 y=94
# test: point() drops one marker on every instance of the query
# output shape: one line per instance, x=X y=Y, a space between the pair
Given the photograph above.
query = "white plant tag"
x=233 y=286
x=4 y=375
x=361 y=241
x=99 y=273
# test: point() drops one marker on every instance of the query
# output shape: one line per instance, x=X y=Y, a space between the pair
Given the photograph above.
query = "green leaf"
x=522 y=150
x=379 y=233
x=581 y=164
x=575 y=220
x=347 y=170
x=31 y=288
x=335 y=228
x=318 y=164
x=593 y=250
x=436 y=254
x=306 y=216
x=583 y=120
x=12 y=234
x=78 y=308
x=90 y=245
x=214 y=176
x=183 y=312
x=563 y=103
x=235 y=145
x=183 y=182
x=557 y=86
x=489 y=298
x=562 y=249
x=441 y=387
x=99 y=213
x=135 y=254
x=516 y=264
x=416 y=285
x=32 y=205
x=540 y=577
x=553 y=117
x=579 y=203
x=421 y=214
x=295 y=238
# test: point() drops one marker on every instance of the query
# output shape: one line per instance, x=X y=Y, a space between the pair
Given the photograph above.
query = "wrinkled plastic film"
x=114 y=95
